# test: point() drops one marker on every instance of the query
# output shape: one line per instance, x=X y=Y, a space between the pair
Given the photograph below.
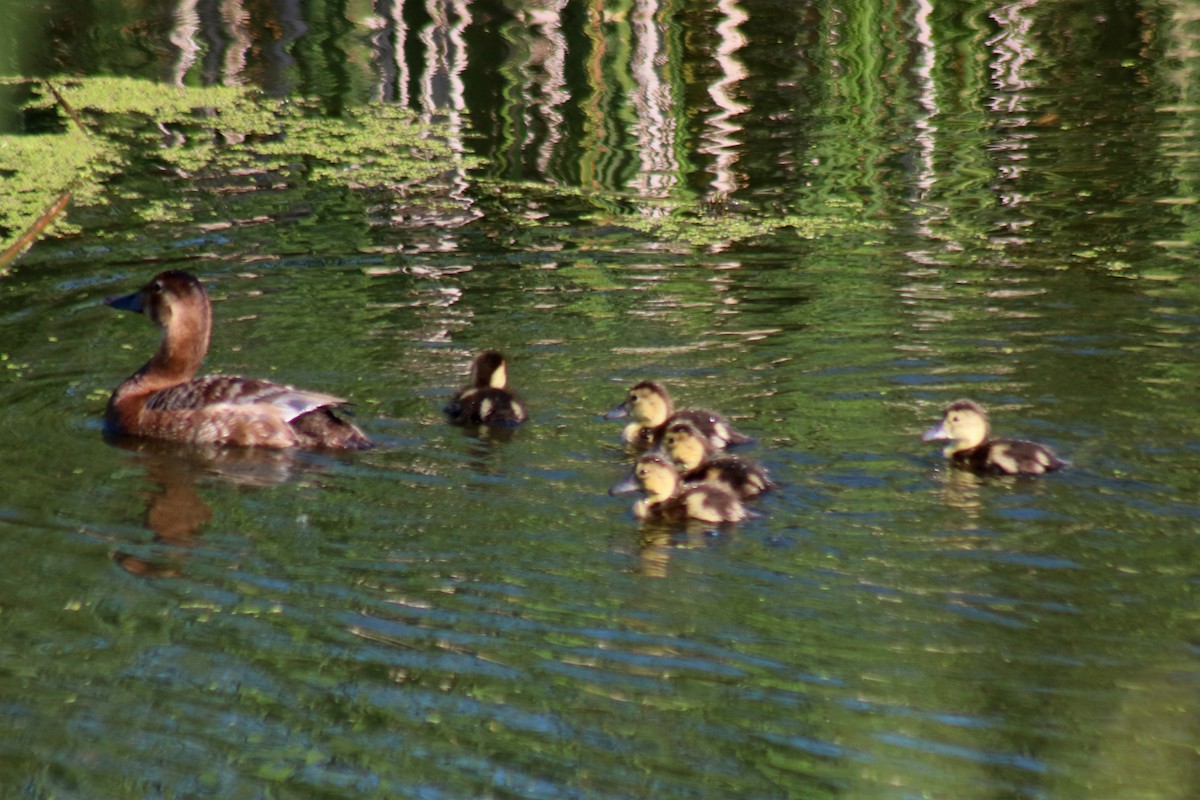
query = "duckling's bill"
x=630 y=484
x=620 y=412
x=936 y=432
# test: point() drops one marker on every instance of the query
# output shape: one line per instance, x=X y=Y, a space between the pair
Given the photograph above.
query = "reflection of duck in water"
x=175 y=511
x=164 y=399
x=966 y=424
x=669 y=499
x=694 y=455
x=651 y=409
x=487 y=401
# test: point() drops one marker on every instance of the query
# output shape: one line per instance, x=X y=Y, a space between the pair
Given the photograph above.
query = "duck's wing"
x=715 y=428
x=746 y=478
x=222 y=390
x=1020 y=457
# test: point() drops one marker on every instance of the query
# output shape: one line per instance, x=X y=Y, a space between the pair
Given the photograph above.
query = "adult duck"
x=965 y=424
x=164 y=399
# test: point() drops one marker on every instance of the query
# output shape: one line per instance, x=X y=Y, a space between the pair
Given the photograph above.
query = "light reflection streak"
x=442 y=91
x=237 y=24
x=1014 y=52
x=656 y=130
x=926 y=138
x=723 y=143
x=389 y=45
x=183 y=36
x=927 y=96
x=545 y=72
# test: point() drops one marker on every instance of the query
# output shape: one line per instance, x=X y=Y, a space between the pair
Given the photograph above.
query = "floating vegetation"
x=680 y=224
x=232 y=157
x=217 y=141
x=697 y=227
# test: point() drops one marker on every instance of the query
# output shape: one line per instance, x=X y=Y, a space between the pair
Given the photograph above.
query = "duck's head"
x=489 y=370
x=685 y=444
x=964 y=423
x=653 y=476
x=177 y=303
x=647 y=402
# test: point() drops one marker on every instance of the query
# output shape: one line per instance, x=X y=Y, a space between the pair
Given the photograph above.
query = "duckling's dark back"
x=1009 y=457
x=487 y=401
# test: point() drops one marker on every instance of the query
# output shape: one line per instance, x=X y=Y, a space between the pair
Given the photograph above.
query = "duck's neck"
x=660 y=490
x=690 y=454
x=966 y=443
x=655 y=413
x=180 y=353
x=499 y=377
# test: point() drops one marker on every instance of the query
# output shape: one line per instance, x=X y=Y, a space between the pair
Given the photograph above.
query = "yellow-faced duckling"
x=650 y=407
x=164 y=399
x=965 y=423
x=699 y=464
x=487 y=401
x=666 y=497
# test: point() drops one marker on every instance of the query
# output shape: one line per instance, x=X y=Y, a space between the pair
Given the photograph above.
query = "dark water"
x=452 y=615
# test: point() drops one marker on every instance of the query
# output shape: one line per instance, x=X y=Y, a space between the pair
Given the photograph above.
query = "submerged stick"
x=31 y=233
x=62 y=101
x=55 y=208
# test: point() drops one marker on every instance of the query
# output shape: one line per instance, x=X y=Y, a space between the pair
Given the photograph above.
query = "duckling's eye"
x=954 y=418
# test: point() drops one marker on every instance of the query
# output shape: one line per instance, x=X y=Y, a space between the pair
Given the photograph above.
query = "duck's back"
x=745 y=478
x=235 y=411
x=1009 y=457
x=711 y=425
x=486 y=406
x=705 y=502
x=711 y=503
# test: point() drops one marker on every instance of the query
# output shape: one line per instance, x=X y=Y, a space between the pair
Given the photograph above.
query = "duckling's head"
x=489 y=370
x=176 y=301
x=685 y=444
x=964 y=422
x=647 y=402
x=652 y=475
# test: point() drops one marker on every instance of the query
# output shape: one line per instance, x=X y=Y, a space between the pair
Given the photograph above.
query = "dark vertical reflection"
x=326 y=56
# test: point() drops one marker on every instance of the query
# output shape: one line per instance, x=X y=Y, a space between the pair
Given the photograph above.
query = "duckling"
x=486 y=401
x=688 y=448
x=965 y=423
x=651 y=409
x=164 y=399
x=667 y=498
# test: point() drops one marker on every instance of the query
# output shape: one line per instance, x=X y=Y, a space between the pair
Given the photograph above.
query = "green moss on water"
x=161 y=103
x=223 y=137
x=696 y=226
x=222 y=145
x=37 y=169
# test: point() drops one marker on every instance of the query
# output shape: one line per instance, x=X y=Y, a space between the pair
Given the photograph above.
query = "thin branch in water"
x=62 y=102
x=32 y=232
x=52 y=211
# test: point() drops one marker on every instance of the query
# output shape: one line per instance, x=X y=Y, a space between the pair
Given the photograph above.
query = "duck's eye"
x=954 y=418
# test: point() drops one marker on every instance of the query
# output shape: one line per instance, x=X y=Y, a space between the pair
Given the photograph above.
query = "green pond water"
x=826 y=220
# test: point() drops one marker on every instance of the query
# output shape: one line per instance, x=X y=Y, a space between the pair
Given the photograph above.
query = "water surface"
x=462 y=615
